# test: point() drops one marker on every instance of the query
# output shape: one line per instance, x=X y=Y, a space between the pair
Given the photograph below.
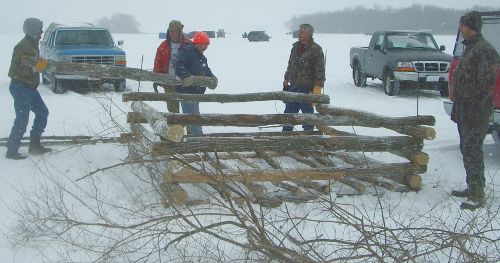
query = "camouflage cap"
x=472 y=20
x=175 y=25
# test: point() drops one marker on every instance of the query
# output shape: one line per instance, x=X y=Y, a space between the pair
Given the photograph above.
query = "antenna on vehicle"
x=140 y=74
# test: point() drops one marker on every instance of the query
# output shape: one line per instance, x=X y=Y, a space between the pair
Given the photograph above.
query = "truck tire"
x=389 y=84
x=120 y=85
x=443 y=90
x=358 y=76
x=56 y=85
x=496 y=137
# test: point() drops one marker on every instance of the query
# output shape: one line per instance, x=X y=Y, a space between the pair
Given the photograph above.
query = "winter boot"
x=36 y=147
x=475 y=200
x=15 y=156
x=462 y=193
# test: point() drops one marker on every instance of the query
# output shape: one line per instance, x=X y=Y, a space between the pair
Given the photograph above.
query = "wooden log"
x=227 y=98
x=378 y=182
x=73 y=142
x=322 y=188
x=298 y=143
x=290 y=188
x=413 y=181
x=418 y=158
x=374 y=120
x=356 y=185
x=108 y=71
x=263 y=134
x=299 y=158
x=251 y=120
x=161 y=127
x=290 y=174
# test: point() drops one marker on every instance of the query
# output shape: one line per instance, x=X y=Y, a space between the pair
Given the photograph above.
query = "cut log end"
x=414 y=182
x=175 y=133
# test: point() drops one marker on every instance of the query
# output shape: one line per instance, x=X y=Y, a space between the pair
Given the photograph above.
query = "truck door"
x=375 y=55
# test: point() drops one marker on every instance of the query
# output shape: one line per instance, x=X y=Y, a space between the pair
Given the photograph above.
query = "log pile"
x=300 y=166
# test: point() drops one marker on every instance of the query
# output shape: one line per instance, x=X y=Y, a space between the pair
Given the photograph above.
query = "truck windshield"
x=83 y=37
x=491 y=27
x=411 y=41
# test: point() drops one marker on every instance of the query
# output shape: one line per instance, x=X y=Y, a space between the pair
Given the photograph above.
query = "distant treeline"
x=360 y=20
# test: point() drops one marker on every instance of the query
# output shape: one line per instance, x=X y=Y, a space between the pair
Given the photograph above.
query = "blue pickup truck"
x=402 y=59
x=80 y=43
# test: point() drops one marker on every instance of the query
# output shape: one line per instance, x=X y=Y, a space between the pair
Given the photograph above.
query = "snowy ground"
x=241 y=67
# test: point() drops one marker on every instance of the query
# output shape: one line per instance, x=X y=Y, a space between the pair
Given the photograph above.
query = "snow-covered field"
x=241 y=67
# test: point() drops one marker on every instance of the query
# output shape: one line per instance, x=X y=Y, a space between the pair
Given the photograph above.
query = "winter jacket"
x=306 y=66
x=475 y=78
x=27 y=47
x=162 y=58
x=192 y=62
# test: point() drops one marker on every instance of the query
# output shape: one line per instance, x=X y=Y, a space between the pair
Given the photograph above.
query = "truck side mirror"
x=442 y=48
x=120 y=43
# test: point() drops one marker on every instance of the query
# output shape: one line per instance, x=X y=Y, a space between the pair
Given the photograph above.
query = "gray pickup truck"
x=402 y=59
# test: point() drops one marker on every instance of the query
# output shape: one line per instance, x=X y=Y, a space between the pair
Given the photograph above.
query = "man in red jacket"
x=166 y=57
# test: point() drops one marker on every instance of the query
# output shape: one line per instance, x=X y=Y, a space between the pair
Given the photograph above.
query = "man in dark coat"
x=25 y=78
x=190 y=65
x=474 y=82
x=305 y=72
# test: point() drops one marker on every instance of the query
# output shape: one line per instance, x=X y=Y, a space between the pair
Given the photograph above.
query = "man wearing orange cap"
x=192 y=63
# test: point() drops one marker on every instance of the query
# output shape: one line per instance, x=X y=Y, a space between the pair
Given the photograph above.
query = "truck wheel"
x=45 y=80
x=496 y=137
x=120 y=85
x=443 y=90
x=56 y=85
x=358 y=76
x=389 y=84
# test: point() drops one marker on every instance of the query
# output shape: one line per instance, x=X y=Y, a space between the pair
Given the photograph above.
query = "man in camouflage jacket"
x=305 y=72
x=25 y=78
x=474 y=82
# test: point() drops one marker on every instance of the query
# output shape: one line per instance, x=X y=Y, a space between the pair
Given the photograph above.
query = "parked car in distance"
x=402 y=59
x=80 y=43
x=256 y=36
x=221 y=33
x=211 y=34
x=491 y=27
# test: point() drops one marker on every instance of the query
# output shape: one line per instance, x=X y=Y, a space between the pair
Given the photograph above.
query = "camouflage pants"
x=472 y=136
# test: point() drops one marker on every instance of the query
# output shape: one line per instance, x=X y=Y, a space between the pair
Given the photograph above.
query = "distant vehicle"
x=221 y=33
x=491 y=27
x=211 y=34
x=295 y=34
x=245 y=35
x=82 y=43
x=255 y=36
x=402 y=59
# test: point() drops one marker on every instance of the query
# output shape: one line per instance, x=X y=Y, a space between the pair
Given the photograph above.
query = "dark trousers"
x=296 y=106
x=472 y=136
x=26 y=99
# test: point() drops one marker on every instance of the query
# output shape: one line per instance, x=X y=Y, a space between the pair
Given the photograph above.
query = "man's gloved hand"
x=286 y=85
x=316 y=90
x=212 y=81
x=188 y=82
x=40 y=65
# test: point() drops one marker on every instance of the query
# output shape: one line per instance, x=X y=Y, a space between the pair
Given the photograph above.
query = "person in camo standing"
x=166 y=57
x=474 y=82
x=25 y=78
x=305 y=72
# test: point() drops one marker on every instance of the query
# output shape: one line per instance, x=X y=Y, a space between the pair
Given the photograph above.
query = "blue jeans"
x=296 y=106
x=26 y=99
x=192 y=108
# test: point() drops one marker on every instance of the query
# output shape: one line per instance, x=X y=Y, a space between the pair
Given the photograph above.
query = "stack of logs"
x=298 y=162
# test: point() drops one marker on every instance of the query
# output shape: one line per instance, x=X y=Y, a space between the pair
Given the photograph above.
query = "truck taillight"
x=121 y=60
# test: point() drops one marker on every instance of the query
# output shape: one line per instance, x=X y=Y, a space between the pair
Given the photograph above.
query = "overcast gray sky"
x=233 y=15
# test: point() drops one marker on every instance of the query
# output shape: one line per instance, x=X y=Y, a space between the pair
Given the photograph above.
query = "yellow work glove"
x=317 y=90
x=41 y=65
